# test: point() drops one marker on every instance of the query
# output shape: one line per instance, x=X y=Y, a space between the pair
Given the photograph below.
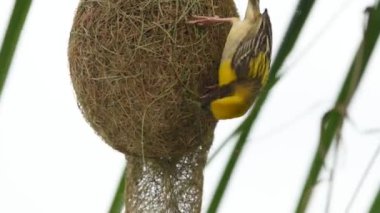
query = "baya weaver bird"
x=245 y=62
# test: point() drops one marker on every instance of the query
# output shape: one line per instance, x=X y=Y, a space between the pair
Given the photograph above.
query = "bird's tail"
x=255 y=3
x=253 y=9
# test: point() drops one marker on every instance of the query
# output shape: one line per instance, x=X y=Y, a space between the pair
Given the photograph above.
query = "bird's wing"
x=252 y=57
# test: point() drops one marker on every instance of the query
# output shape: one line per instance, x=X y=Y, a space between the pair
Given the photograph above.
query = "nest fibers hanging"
x=138 y=70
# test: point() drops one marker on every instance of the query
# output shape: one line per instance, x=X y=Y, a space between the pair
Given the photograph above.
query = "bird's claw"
x=211 y=87
x=204 y=96
x=204 y=20
x=209 y=95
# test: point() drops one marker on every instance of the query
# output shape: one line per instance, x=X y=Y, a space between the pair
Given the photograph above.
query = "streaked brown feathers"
x=251 y=46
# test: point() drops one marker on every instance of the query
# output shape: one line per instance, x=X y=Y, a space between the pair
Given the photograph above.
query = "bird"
x=245 y=62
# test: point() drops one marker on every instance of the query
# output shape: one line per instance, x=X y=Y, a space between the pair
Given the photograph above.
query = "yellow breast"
x=235 y=105
x=229 y=107
x=242 y=96
x=226 y=74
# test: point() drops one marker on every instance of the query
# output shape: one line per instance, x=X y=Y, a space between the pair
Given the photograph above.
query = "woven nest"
x=138 y=70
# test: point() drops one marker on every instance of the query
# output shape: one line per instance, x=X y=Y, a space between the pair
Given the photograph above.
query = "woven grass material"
x=138 y=70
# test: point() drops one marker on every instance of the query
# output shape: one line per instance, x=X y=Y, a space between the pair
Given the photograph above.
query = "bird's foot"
x=212 y=87
x=209 y=20
x=211 y=93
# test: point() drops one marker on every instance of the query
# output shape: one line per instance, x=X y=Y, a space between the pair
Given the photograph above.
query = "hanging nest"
x=138 y=70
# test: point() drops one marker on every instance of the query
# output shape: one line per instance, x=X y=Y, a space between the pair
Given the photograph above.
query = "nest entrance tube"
x=166 y=185
x=138 y=69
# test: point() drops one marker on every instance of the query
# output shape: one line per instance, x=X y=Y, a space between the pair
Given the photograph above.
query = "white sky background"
x=52 y=161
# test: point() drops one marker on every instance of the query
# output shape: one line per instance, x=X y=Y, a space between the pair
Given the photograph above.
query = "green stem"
x=11 y=38
x=118 y=200
x=375 y=208
x=332 y=122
